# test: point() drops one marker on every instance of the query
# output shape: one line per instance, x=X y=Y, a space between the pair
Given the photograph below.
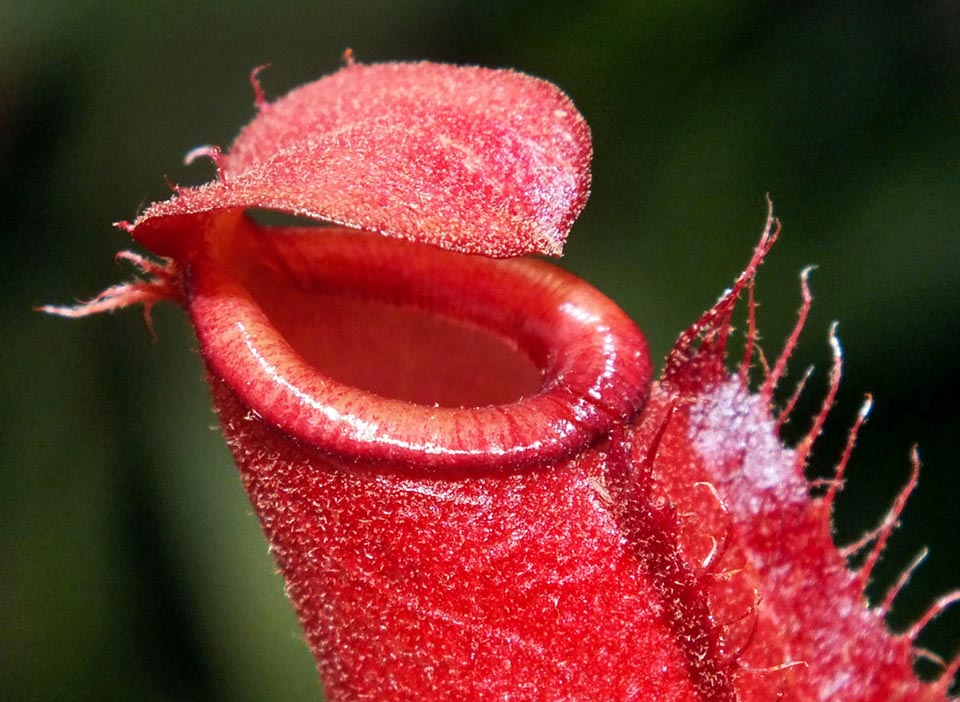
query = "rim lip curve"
x=597 y=373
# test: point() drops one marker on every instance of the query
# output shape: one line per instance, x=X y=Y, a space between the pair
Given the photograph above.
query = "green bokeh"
x=130 y=567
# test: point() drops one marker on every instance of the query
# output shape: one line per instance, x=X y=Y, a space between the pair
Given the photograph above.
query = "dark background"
x=130 y=567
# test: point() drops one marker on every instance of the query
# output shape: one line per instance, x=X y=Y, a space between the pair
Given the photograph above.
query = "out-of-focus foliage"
x=130 y=567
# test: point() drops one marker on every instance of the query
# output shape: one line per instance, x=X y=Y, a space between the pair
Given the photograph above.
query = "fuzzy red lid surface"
x=471 y=159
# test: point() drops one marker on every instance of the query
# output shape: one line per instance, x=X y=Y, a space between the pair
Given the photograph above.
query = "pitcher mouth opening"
x=371 y=348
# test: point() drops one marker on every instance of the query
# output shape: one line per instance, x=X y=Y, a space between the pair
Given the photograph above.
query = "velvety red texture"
x=473 y=159
x=465 y=474
x=450 y=551
x=793 y=617
x=430 y=550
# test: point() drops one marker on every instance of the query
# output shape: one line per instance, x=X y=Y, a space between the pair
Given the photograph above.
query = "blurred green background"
x=130 y=566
